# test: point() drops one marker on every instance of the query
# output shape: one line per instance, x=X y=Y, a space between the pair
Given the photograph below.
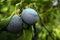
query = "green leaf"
x=4 y=9
x=27 y=35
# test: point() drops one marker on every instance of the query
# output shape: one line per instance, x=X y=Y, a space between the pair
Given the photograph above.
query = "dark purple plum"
x=15 y=24
x=55 y=3
x=29 y=16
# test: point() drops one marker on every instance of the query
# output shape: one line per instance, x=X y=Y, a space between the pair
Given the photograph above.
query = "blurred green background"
x=50 y=16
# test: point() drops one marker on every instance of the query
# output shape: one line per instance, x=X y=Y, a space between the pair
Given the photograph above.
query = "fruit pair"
x=28 y=16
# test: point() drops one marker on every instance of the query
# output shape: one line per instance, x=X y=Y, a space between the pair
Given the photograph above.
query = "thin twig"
x=44 y=23
x=46 y=28
x=21 y=5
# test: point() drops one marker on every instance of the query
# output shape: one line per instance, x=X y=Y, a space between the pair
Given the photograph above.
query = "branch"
x=43 y=23
x=46 y=28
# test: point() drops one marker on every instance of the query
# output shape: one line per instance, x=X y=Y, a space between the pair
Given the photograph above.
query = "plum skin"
x=29 y=16
x=15 y=24
x=55 y=3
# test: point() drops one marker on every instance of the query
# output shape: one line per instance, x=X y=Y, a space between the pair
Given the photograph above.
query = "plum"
x=15 y=24
x=29 y=16
x=55 y=3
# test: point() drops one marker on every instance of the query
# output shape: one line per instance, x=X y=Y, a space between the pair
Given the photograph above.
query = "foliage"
x=50 y=16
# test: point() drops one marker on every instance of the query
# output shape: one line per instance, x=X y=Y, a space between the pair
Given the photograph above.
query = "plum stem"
x=35 y=33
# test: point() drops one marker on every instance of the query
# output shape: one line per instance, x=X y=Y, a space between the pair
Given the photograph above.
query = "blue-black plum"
x=29 y=16
x=15 y=24
x=55 y=3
